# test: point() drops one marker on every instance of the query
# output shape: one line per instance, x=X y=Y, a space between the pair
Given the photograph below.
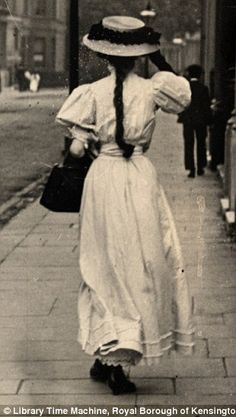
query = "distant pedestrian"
x=134 y=301
x=23 y=83
x=195 y=120
x=34 y=81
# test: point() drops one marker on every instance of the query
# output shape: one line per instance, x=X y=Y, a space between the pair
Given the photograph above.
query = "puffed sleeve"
x=79 y=109
x=171 y=92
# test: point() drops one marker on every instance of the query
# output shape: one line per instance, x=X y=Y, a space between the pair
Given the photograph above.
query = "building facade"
x=33 y=36
x=218 y=54
x=218 y=48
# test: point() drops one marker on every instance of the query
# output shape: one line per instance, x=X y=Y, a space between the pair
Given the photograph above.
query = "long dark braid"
x=122 y=66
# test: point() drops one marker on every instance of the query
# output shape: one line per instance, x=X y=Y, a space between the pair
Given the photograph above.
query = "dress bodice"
x=90 y=107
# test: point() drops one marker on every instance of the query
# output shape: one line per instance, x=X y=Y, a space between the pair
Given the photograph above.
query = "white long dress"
x=134 y=301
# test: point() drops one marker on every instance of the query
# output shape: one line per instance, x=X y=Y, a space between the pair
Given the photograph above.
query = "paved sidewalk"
x=30 y=140
x=40 y=361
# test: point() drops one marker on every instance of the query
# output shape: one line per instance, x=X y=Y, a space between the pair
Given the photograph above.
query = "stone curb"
x=21 y=199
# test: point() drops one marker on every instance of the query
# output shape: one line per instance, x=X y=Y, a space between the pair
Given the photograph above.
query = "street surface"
x=41 y=362
x=30 y=140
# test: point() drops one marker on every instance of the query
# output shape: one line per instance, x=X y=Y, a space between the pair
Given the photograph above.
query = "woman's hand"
x=77 y=149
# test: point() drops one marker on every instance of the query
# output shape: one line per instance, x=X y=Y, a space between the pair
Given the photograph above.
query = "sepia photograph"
x=117 y=208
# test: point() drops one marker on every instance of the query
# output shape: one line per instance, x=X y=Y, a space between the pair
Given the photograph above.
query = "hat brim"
x=108 y=48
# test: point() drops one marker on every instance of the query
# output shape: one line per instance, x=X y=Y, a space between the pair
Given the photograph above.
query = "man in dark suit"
x=195 y=120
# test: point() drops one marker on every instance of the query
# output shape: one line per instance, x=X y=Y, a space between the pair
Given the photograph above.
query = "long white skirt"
x=134 y=301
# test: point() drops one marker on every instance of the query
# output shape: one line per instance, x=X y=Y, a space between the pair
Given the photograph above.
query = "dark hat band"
x=136 y=37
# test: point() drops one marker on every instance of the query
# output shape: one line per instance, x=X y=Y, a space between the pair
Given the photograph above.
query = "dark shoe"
x=200 y=171
x=99 y=372
x=119 y=383
x=191 y=174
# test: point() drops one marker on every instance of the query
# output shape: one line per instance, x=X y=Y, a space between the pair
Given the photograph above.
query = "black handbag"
x=64 y=188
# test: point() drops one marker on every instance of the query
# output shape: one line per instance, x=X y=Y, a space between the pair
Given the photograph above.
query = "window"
x=39 y=54
x=41 y=8
x=3 y=4
x=7 y=6
x=53 y=8
x=24 y=49
x=16 y=38
x=53 y=43
x=26 y=7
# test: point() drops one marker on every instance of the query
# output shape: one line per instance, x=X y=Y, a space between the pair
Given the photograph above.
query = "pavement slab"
x=201 y=348
x=222 y=347
x=21 y=231
x=190 y=399
x=41 y=256
x=230 y=319
x=209 y=319
x=210 y=386
x=88 y=400
x=38 y=350
x=45 y=333
x=5 y=251
x=59 y=239
x=46 y=369
x=66 y=386
x=56 y=285
x=214 y=305
x=231 y=366
x=55 y=229
x=161 y=386
x=61 y=218
x=219 y=331
x=182 y=367
x=39 y=273
x=25 y=303
x=9 y=387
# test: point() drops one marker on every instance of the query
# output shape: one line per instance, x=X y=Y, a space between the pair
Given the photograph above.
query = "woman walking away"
x=134 y=303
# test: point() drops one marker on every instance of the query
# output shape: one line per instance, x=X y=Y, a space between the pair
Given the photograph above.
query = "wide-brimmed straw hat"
x=122 y=36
